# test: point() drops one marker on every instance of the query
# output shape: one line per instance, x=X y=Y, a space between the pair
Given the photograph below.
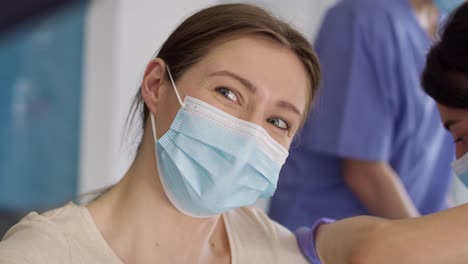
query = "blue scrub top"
x=371 y=107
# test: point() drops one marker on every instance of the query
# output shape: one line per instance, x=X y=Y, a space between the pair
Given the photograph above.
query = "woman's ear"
x=152 y=82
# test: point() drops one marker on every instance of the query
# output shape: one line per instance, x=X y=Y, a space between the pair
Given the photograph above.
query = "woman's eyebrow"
x=249 y=85
x=288 y=106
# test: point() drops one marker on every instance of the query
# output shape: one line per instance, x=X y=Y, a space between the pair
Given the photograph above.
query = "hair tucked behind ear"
x=445 y=77
x=193 y=39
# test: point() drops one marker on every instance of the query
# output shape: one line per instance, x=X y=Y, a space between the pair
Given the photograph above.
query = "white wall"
x=97 y=99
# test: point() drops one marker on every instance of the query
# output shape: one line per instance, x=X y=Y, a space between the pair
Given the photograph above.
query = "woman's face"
x=456 y=122
x=250 y=78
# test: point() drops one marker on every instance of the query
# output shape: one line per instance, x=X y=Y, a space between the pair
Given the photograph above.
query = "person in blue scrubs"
x=433 y=239
x=374 y=144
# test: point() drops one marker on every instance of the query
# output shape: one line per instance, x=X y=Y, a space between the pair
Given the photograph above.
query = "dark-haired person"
x=434 y=239
x=220 y=105
x=374 y=144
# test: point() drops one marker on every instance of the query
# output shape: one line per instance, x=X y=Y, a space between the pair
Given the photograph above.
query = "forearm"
x=434 y=239
x=388 y=197
x=379 y=189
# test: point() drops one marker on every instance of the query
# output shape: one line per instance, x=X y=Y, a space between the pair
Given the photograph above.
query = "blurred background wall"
x=41 y=80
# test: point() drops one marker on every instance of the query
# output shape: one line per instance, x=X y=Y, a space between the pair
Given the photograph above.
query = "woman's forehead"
x=452 y=113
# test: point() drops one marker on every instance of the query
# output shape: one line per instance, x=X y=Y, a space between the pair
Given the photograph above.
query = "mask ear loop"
x=153 y=127
x=175 y=88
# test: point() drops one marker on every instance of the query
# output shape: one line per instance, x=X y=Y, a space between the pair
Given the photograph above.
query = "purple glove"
x=306 y=238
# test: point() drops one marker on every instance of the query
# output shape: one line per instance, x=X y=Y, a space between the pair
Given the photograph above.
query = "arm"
x=379 y=189
x=432 y=239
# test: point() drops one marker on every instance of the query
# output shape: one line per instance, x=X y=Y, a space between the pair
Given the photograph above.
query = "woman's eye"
x=227 y=93
x=278 y=122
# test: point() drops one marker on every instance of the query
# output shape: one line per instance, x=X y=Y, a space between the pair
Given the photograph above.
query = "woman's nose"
x=255 y=115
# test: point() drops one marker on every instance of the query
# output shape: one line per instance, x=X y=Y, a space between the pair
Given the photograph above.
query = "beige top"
x=69 y=235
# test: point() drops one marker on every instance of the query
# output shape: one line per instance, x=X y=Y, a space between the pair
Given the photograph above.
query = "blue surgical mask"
x=447 y=6
x=210 y=162
x=460 y=166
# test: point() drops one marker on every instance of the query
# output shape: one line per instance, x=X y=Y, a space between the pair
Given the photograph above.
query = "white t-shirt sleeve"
x=287 y=245
x=34 y=240
x=258 y=239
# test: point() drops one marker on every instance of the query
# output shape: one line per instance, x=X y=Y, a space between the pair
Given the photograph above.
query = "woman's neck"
x=141 y=225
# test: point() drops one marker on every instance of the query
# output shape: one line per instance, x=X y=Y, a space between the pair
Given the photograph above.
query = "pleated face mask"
x=210 y=162
x=460 y=166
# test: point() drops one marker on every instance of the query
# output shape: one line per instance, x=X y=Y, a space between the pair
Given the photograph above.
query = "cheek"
x=461 y=149
x=167 y=111
x=288 y=144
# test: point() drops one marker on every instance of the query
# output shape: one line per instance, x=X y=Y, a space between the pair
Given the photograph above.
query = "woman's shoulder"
x=257 y=234
x=260 y=223
x=39 y=238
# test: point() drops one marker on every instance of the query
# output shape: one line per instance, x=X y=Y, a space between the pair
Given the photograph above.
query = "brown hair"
x=192 y=40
